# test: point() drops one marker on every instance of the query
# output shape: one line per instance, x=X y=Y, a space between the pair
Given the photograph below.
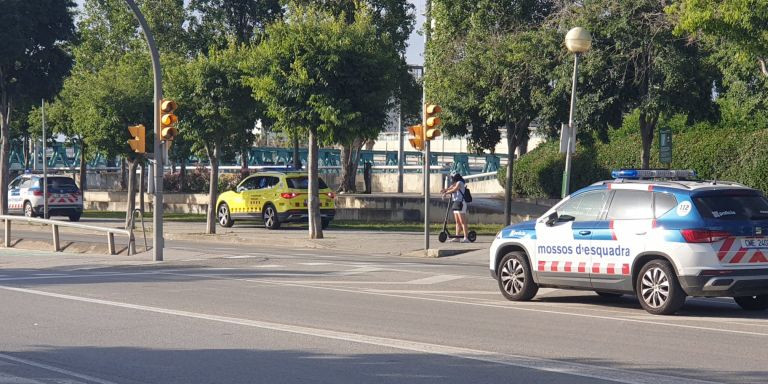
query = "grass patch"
x=182 y=217
x=481 y=229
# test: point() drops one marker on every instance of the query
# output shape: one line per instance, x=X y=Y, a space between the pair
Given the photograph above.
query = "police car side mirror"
x=564 y=218
x=551 y=219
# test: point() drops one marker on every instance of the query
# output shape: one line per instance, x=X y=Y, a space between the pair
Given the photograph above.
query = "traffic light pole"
x=157 y=217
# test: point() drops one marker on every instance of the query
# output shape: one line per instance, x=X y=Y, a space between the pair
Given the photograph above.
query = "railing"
x=55 y=224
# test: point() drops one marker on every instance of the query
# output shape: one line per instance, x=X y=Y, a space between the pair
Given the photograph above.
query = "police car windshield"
x=302 y=182
x=61 y=182
x=732 y=206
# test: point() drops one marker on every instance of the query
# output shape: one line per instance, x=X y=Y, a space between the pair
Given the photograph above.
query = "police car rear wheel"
x=752 y=303
x=515 y=278
x=225 y=218
x=658 y=289
x=28 y=212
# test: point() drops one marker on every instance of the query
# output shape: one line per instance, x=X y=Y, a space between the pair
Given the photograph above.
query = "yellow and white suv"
x=275 y=198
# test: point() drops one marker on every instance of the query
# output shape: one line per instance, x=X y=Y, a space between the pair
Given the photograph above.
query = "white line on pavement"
x=55 y=369
x=508 y=306
x=567 y=368
x=433 y=279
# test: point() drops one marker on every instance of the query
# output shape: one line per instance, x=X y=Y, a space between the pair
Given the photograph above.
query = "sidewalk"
x=380 y=243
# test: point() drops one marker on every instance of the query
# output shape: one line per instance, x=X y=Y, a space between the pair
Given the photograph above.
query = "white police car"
x=662 y=240
x=25 y=195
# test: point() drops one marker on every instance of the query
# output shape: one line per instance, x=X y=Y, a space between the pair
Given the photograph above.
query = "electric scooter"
x=445 y=234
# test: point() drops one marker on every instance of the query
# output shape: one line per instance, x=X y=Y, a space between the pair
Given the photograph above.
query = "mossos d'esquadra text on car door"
x=662 y=235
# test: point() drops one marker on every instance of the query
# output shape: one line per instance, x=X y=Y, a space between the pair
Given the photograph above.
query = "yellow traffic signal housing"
x=138 y=141
x=417 y=136
x=432 y=121
x=168 y=120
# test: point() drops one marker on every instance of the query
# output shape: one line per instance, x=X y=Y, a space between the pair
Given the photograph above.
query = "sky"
x=414 y=55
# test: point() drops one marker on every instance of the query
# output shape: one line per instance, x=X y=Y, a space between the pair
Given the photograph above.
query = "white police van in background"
x=25 y=195
x=658 y=234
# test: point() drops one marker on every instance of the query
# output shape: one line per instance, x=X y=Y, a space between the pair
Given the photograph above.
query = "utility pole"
x=45 y=165
x=159 y=145
x=427 y=34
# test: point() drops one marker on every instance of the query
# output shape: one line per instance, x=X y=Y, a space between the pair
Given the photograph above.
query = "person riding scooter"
x=459 y=206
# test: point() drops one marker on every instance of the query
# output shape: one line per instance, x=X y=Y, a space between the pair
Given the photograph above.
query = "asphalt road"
x=228 y=314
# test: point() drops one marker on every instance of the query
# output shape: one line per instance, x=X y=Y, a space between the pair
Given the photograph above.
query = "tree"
x=219 y=20
x=489 y=65
x=215 y=106
x=33 y=62
x=636 y=63
x=312 y=74
x=741 y=23
x=392 y=21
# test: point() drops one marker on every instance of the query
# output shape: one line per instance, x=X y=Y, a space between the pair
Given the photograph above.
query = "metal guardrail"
x=55 y=224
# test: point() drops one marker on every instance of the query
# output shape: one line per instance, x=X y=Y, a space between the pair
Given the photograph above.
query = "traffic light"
x=432 y=121
x=417 y=136
x=168 y=120
x=138 y=141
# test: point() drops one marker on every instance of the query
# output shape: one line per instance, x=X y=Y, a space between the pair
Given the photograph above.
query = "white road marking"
x=357 y=271
x=433 y=279
x=93 y=275
x=547 y=365
x=269 y=266
x=508 y=306
x=314 y=264
x=51 y=368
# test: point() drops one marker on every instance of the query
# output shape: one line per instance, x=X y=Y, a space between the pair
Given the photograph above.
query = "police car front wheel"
x=515 y=278
x=658 y=288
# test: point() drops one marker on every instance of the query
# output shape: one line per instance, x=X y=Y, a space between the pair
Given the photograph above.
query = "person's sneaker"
x=465 y=241
x=454 y=240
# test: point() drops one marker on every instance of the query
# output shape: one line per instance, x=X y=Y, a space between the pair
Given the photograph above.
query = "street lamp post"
x=577 y=40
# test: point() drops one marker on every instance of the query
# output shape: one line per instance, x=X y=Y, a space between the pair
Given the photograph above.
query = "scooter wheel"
x=442 y=237
x=472 y=236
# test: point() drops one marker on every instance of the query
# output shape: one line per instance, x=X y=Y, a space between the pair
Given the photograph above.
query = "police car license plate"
x=754 y=243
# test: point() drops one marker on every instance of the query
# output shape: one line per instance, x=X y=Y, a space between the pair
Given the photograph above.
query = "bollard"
x=56 y=245
x=111 y=242
x=7 y=233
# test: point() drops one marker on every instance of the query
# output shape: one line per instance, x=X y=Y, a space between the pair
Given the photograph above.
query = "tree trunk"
x=511 y=146
x=142 y=185
x=83 y=169
x=213 y=188
x=244 y=161
x=315 y=223
x=296 y=154
x=131 y=192
x=123 y=177
x=27 y=160
x=647 y=131
x=182 y=174
x=5 y=149
x=522 y=147
x=350 y=157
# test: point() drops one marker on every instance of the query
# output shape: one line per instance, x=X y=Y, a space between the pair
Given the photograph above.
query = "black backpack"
x=467 y=195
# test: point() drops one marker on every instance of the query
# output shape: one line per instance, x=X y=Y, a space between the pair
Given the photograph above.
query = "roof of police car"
x=686 y=185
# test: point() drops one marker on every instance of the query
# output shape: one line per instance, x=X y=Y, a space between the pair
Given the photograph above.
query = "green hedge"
x=715 y=153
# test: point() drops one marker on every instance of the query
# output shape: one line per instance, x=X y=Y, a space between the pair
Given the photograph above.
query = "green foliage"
x=318 y=71
x=714 y=153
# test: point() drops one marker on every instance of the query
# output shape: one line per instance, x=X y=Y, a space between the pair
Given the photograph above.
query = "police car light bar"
x=654 y=174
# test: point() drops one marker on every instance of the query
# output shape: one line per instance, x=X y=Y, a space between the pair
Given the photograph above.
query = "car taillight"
x=703 y=235
x=288 y=195
x=331 y=195
x=37 y=193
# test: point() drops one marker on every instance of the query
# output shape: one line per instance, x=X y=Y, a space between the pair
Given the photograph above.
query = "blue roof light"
x=654 y=174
